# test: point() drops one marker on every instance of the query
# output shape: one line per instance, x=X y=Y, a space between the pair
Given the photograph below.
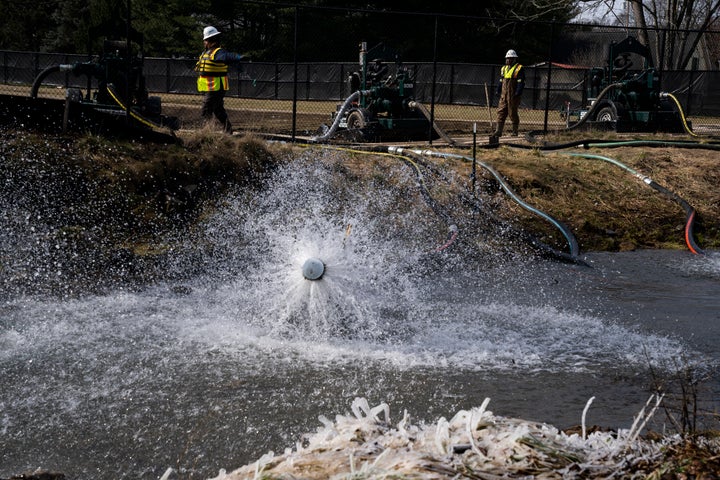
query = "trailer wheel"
x=606 y=114
x=356 y=120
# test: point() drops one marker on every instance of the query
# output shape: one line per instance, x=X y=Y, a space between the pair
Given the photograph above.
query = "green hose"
x=573 y=247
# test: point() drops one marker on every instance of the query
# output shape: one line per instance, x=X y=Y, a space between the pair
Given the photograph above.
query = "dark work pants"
x=214 y=105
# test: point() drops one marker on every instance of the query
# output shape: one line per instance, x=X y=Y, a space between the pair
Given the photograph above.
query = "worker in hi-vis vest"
x=510 y=88
x=212 y=79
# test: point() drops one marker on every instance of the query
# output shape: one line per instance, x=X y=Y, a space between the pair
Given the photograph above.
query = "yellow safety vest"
x=213 y=75
x=510 y=71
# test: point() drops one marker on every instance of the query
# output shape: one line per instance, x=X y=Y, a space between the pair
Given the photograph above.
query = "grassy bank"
x=124 y=203
x=604 y=205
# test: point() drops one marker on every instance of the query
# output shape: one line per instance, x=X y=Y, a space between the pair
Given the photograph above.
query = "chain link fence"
x=297 y=96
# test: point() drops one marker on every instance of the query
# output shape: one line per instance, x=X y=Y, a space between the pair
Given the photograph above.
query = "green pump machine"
x=381 y=104
x=628 y=99
x=115 y=99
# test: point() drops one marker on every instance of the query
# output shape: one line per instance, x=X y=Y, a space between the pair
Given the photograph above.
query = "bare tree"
x=681 y=25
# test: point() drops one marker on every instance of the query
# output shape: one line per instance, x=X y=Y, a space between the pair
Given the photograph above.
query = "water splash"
x=307 y=212
x=244 y=342
x=380 y=299
x=707 y=265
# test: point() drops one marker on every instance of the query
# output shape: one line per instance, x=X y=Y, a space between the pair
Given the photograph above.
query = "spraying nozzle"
x=313 y=269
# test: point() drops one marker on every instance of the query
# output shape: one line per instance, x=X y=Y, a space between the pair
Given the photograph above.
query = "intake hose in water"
x=574 y=249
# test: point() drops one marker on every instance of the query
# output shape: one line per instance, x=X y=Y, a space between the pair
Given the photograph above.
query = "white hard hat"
x=210 y=32
x=511 y=54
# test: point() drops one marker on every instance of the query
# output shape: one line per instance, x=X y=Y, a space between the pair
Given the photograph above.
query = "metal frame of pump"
x=385 y=101
x=120 y=89
x=631 y=100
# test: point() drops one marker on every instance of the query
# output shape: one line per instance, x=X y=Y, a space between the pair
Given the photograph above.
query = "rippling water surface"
x=242 y=356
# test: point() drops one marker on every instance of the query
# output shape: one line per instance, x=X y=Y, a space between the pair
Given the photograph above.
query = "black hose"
x=596 y=143
x=39 y=79
x=572 y=257
x=417 y=160
x=414 y=162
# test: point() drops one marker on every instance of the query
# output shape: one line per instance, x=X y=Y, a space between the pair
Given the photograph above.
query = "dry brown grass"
x=606 y=207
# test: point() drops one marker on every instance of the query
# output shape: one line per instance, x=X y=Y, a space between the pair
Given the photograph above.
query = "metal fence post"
x=295 y=74
x=434 y=81
x=549 y=79
x=277 y=79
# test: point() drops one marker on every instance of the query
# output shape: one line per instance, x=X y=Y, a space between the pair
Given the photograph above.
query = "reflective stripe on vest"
x=213 y=75
x=511 y=72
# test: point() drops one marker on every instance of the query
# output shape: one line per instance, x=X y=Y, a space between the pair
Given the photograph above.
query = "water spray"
x=313 y=269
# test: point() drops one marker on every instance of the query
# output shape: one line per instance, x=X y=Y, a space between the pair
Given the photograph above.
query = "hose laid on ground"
x=430 y=201
x=590 y=143
x=689 y=210
x=681 y=111
x=148 y=123
x=574 y=249
x=398 y=152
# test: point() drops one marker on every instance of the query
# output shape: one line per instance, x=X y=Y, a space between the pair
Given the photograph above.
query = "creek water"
x=226 y=362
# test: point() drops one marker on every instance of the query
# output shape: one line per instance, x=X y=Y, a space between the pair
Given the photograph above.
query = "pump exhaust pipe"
x=313 y=269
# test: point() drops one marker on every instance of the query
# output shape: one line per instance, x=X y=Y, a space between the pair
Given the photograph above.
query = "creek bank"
x=87 y=212
x=111 y=212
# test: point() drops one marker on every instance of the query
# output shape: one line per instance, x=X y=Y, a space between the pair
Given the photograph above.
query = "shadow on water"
x=243 y=354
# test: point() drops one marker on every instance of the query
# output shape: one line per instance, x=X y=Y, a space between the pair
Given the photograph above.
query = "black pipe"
x=40 y=77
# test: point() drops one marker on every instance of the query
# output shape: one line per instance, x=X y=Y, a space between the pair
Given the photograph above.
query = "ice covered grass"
x=473 y=444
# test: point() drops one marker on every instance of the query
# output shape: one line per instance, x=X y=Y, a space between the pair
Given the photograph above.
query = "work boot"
x=499 y=130
x=515 y=130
